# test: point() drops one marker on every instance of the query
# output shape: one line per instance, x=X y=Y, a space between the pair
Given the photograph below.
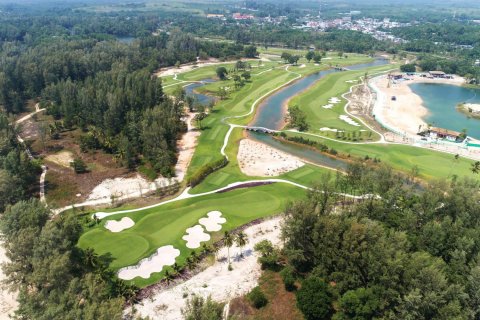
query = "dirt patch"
x=281 y=303
x=62 y=158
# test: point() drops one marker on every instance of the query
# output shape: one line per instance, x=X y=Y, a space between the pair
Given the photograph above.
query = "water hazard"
x=441 y=101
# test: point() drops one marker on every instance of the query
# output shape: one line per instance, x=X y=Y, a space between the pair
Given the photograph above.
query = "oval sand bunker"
x=164 y=256
x=118 y=226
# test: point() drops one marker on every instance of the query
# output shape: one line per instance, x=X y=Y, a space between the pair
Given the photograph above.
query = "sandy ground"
x=8 y=300
x=474 y=106
x=124 y=188
x=119 y=226
x=260 y=160
x=406 y=113
x=217 y=281
x=63 y=158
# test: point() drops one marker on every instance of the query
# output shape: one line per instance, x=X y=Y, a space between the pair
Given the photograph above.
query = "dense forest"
x=410 y=253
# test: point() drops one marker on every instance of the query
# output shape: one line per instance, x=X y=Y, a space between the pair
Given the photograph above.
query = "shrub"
x=198 y=308
x=257 y=298
x=314 y=299
x=288 y=279
x=78 y=165
x=205 y=170
x=269 y=256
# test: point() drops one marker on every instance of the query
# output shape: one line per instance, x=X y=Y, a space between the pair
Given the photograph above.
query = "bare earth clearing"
x=8 y=300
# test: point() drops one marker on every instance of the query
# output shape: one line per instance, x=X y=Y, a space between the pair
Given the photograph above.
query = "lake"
x=441 y=101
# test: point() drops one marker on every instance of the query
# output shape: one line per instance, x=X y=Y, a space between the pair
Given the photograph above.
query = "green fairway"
x=165 y=225
x=322 y=113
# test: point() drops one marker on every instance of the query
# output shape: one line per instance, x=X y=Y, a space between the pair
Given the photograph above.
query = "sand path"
x=8 y=300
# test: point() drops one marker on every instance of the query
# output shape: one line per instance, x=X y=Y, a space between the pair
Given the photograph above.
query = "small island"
x=470 y=109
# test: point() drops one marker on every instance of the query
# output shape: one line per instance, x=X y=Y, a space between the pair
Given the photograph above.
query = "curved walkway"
x=186 y=195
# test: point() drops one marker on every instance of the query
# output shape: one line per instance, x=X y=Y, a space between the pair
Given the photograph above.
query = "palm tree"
x=476 y=167
x=215 y=250
x=241 y=240
x=190 y=263
x=168 y=277
x=194 y=256
x=228 y=241
x=91 y=258
x=176 y=267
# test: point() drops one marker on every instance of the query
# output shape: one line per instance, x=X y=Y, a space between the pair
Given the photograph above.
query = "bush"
x=257 y=298
x=314 y=299
x=78 y=165
x=205 y=170
x=198 y=308
x=288 y=279
x=269 y=256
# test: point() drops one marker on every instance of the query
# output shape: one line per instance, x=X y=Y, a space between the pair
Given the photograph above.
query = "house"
x=215 y=16
x=239 y=16
x=437 y=74
x=395 y=76
x=440 y=133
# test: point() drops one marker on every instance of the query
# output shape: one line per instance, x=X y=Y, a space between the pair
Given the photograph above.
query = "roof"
x=445 y=131
x=437 y=72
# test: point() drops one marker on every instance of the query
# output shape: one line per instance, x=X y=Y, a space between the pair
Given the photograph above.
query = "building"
x=240 y=16
x=215 y=16
x=440 y=133
x=437 y=74
x=395 y=76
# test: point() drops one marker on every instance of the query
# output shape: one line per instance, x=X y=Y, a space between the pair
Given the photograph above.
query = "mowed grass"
x=432 y=165
x=334 y=85
x=165 y=225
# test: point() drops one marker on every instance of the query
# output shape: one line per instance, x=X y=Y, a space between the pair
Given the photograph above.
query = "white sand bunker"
x=302 y=66
x=329 y=129
x=259 y=160
x=349 y=120
x=334 y=100
x=118 y=226
x=328 y=106
x=164 y=256
x=195 y=235
x=213 y=222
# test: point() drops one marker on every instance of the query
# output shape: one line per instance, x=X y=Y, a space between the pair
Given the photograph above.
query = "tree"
x=198 y=308
x=228 y=242
x=359 y=304
x=408 y=67
x=475 y=167
x=286 y=57
x=222 y=93
x=317 y=58
x=250 y=51
x=269 y=255
x=293 y=59
x=309 y=56
x=241 y=240
x=221 y=73
x=257 y=298
x=246 y=75
x=314 y=299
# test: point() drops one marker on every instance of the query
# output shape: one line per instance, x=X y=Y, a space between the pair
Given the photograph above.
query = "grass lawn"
x=432 y=164
x=334 y=85
x=165 y=225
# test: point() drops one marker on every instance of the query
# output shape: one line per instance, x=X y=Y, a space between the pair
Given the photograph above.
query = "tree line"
x=404 y=252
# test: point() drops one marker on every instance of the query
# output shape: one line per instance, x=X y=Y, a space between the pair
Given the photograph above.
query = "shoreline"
x=405 y=115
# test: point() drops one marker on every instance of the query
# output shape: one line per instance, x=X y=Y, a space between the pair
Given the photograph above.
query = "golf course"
x=223 y=129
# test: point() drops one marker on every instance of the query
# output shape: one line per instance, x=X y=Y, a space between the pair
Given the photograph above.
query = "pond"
x=441 y=101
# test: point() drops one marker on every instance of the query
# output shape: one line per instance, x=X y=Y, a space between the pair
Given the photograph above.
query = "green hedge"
x=205 y=170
